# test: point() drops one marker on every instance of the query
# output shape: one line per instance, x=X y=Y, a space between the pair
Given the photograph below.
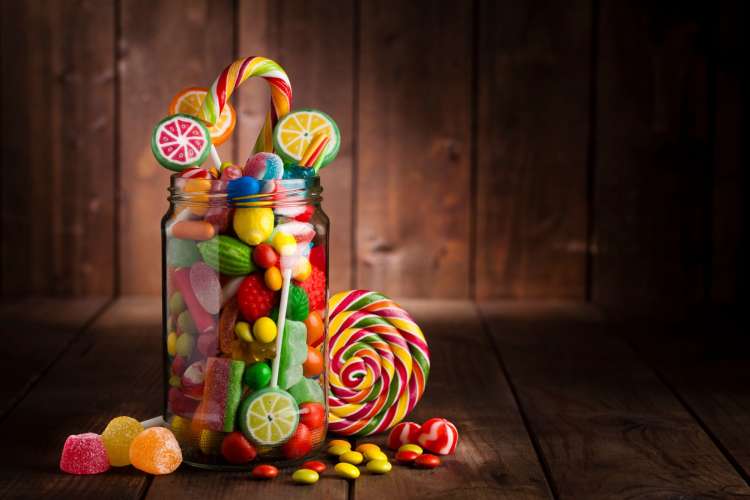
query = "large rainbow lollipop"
x=379 y=363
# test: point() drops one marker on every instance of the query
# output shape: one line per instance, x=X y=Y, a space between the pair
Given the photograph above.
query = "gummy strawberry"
x=315 y=286
x=254 y=298
x=318 y=257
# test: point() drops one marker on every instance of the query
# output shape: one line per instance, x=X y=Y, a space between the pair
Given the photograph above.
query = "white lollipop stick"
x=154 y=422
x=230 y=289
x=215 y=157
x=287 y=275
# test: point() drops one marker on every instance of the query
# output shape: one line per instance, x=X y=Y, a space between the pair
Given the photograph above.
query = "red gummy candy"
x=84 y=454
x=315 y=286
x=254 y=298
x=318 y=257
x=299 y=444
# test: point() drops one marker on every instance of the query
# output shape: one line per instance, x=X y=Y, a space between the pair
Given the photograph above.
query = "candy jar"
x=245 y=383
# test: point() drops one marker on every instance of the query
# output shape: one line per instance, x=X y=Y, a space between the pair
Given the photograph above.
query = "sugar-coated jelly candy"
x=155 y=451
x=84 y=454
x=221 y=394
x=117 y=436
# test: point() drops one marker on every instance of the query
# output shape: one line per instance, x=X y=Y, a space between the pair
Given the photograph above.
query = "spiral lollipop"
x=379 y=363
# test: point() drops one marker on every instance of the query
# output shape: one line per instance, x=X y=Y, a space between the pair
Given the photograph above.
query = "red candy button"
x=427 y=461
x=315 y=465
x=406 y=457
x=265 y=472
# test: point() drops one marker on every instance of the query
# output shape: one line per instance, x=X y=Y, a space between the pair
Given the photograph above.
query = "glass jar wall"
x=243 y=385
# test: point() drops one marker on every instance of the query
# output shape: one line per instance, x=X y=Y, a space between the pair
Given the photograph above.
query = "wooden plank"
x=164 y=48
x=652 y=155
x=114 y=369
x=532 y=133
x=35 y=333
x=413 y=143
x=316 y=50
x=606 y=425
x=58 y=122
x=495 y=457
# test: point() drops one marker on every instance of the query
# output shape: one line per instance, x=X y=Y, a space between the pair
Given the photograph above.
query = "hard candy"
x=404 y=433
x=155 y=451
x=264 y=166
x=253 y=225
x=351 y=457
x=265 y=256
x=264 y=330
x=257 y=376
x=117 y=436
x=438 y=435
x=427 y=461
x=315 y=465
x=406 y=457
x=84 y=454
x=264 y=472
x=312 y=415
x=412 y=447
x=240 y=189
x=299 y=444
x=347 y=471
x=315 y=329
x=379 y=466
x=305 y=476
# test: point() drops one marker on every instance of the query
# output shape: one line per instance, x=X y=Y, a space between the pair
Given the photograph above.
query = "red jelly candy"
x=427 y=461
x=299 y=444
x=312 y=415
x=84 y=454
x=265 y=472
x=265 y=256
x=315 y=465
x=237 y=450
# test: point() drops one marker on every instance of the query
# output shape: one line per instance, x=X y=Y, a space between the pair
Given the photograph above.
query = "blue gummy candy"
x=297 y=172
x=244 y=186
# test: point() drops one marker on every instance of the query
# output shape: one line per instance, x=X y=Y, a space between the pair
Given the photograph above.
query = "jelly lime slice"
x=269 y=417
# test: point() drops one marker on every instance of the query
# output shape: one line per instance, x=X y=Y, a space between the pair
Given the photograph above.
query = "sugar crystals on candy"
x=84 y=454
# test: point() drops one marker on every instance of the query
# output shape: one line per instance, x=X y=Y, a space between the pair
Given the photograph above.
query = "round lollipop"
x=180 y=141
x=379 y=363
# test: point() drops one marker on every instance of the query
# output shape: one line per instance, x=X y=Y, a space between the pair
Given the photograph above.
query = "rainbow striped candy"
x=379 y=363
x=233 y=76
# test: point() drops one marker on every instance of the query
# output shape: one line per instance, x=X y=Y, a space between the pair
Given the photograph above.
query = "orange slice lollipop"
x=189 y=101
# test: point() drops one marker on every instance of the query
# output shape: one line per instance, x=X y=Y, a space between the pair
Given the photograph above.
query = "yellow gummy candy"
x=117 y=436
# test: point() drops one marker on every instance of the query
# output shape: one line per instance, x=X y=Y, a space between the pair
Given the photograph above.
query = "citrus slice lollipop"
x=189 y=101
x=180 y=141
x=269 y=417
x=294 y=132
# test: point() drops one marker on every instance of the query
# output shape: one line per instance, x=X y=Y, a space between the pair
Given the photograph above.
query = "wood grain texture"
x=414 y=148
x=114 y=369
x=35 y=333
x=164 y=48
x=495 y=457
x=58 y=141
x=652 y=155
x=314 y=44
x=606 y=425
x=532 y=136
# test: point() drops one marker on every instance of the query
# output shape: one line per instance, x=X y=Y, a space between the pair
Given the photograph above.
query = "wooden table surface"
x=550 y=400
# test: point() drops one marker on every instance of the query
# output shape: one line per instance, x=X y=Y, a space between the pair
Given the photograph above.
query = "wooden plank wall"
x=583 y=149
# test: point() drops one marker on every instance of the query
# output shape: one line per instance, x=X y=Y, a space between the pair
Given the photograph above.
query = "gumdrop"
x=155 y=451
x=293 y=353
x=206 y=287
x=117 y=436
x=84 y=454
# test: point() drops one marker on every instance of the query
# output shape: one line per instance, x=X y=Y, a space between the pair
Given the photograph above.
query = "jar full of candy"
x=244 y=300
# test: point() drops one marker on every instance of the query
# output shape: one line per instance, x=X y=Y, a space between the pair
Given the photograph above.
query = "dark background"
x=578 y=149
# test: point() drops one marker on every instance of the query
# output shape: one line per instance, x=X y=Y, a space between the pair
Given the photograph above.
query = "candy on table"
x=340 y=442
x=411 y=447
x=272 y=278
x=366 y=448
x=307 y=391
x=189 y=101
x=293 y=353
x=236 y=449
x=315 y=465
x=117 y=437
x=299 y=444
x=227 y=326
x=427 y=461
x=268 y=416
x=339 y=449
x=253 y=225
x=312 y=415
x=379 y=466
x=257 y=375
x=305 y=476
x=84 y=454
x=180 y=404
x=155 y=451
x=351 y=457
x=264 y=166
x=379 y=363
x=180 y=141
x=206 y=287
x=265 y=256
x=406 y=457
x=204 y=321
x=196 y=230
x=315 y=286
x=439 y=436
x=182 y=253
x=347 y=471
x=294 y=132
x=221 y=395
x=231 y=78
x=227 y=255
x=375 y=455
x=193 y=379
x=264 y=471
x=404 y=433
x=254 y=298
x=314 y=325
x=242 y=330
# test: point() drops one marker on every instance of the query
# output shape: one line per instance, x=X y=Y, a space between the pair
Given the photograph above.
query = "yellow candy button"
x=365 y=447
x=340 y=442
x=273 y=278
x=264 y=330
x=338 y=449
x=351 y=457
x=411 y=447
x=305 y=476
x=347 y=470
x=375 y=455
x=379 y=466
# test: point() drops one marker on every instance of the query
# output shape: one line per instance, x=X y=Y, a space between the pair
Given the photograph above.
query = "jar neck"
x=274 y=193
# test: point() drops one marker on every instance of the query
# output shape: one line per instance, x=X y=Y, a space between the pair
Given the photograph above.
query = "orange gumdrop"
x=155 y=451
x=314 y=324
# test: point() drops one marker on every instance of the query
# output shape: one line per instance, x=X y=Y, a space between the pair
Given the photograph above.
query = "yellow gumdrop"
x=242 y=330
x=284 y=243
x=172 y=343
x=253 y=225
x=273 y=278
x=302 y=269
x=264 y=330
x=117 y=436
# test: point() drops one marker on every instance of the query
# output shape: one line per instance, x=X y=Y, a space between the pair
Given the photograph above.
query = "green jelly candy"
x=298 y=307
x=176 y=304
x=227 y=255
x=257 y=376
x=185 y=323
x=293 y=353
x=307 y=390
x=182 y=253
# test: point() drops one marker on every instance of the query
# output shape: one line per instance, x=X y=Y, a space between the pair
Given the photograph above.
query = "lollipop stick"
x=215 y=157
x=153 y=422
x=287 y=275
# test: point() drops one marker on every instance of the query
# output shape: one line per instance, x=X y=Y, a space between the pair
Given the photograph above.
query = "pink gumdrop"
x=303 y=232
x=206 y=287
x=84 y=454
x=208 y=344
x=180 y=404
x=192 y=379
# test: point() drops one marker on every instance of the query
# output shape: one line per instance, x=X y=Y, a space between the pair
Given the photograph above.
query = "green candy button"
x=257 y=376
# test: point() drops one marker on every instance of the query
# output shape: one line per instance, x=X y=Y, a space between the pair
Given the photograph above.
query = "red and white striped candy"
x=404 y=433
x=439 y=436
x=195 y=173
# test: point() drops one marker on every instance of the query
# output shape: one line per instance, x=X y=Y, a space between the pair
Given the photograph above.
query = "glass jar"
x=238 y=392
